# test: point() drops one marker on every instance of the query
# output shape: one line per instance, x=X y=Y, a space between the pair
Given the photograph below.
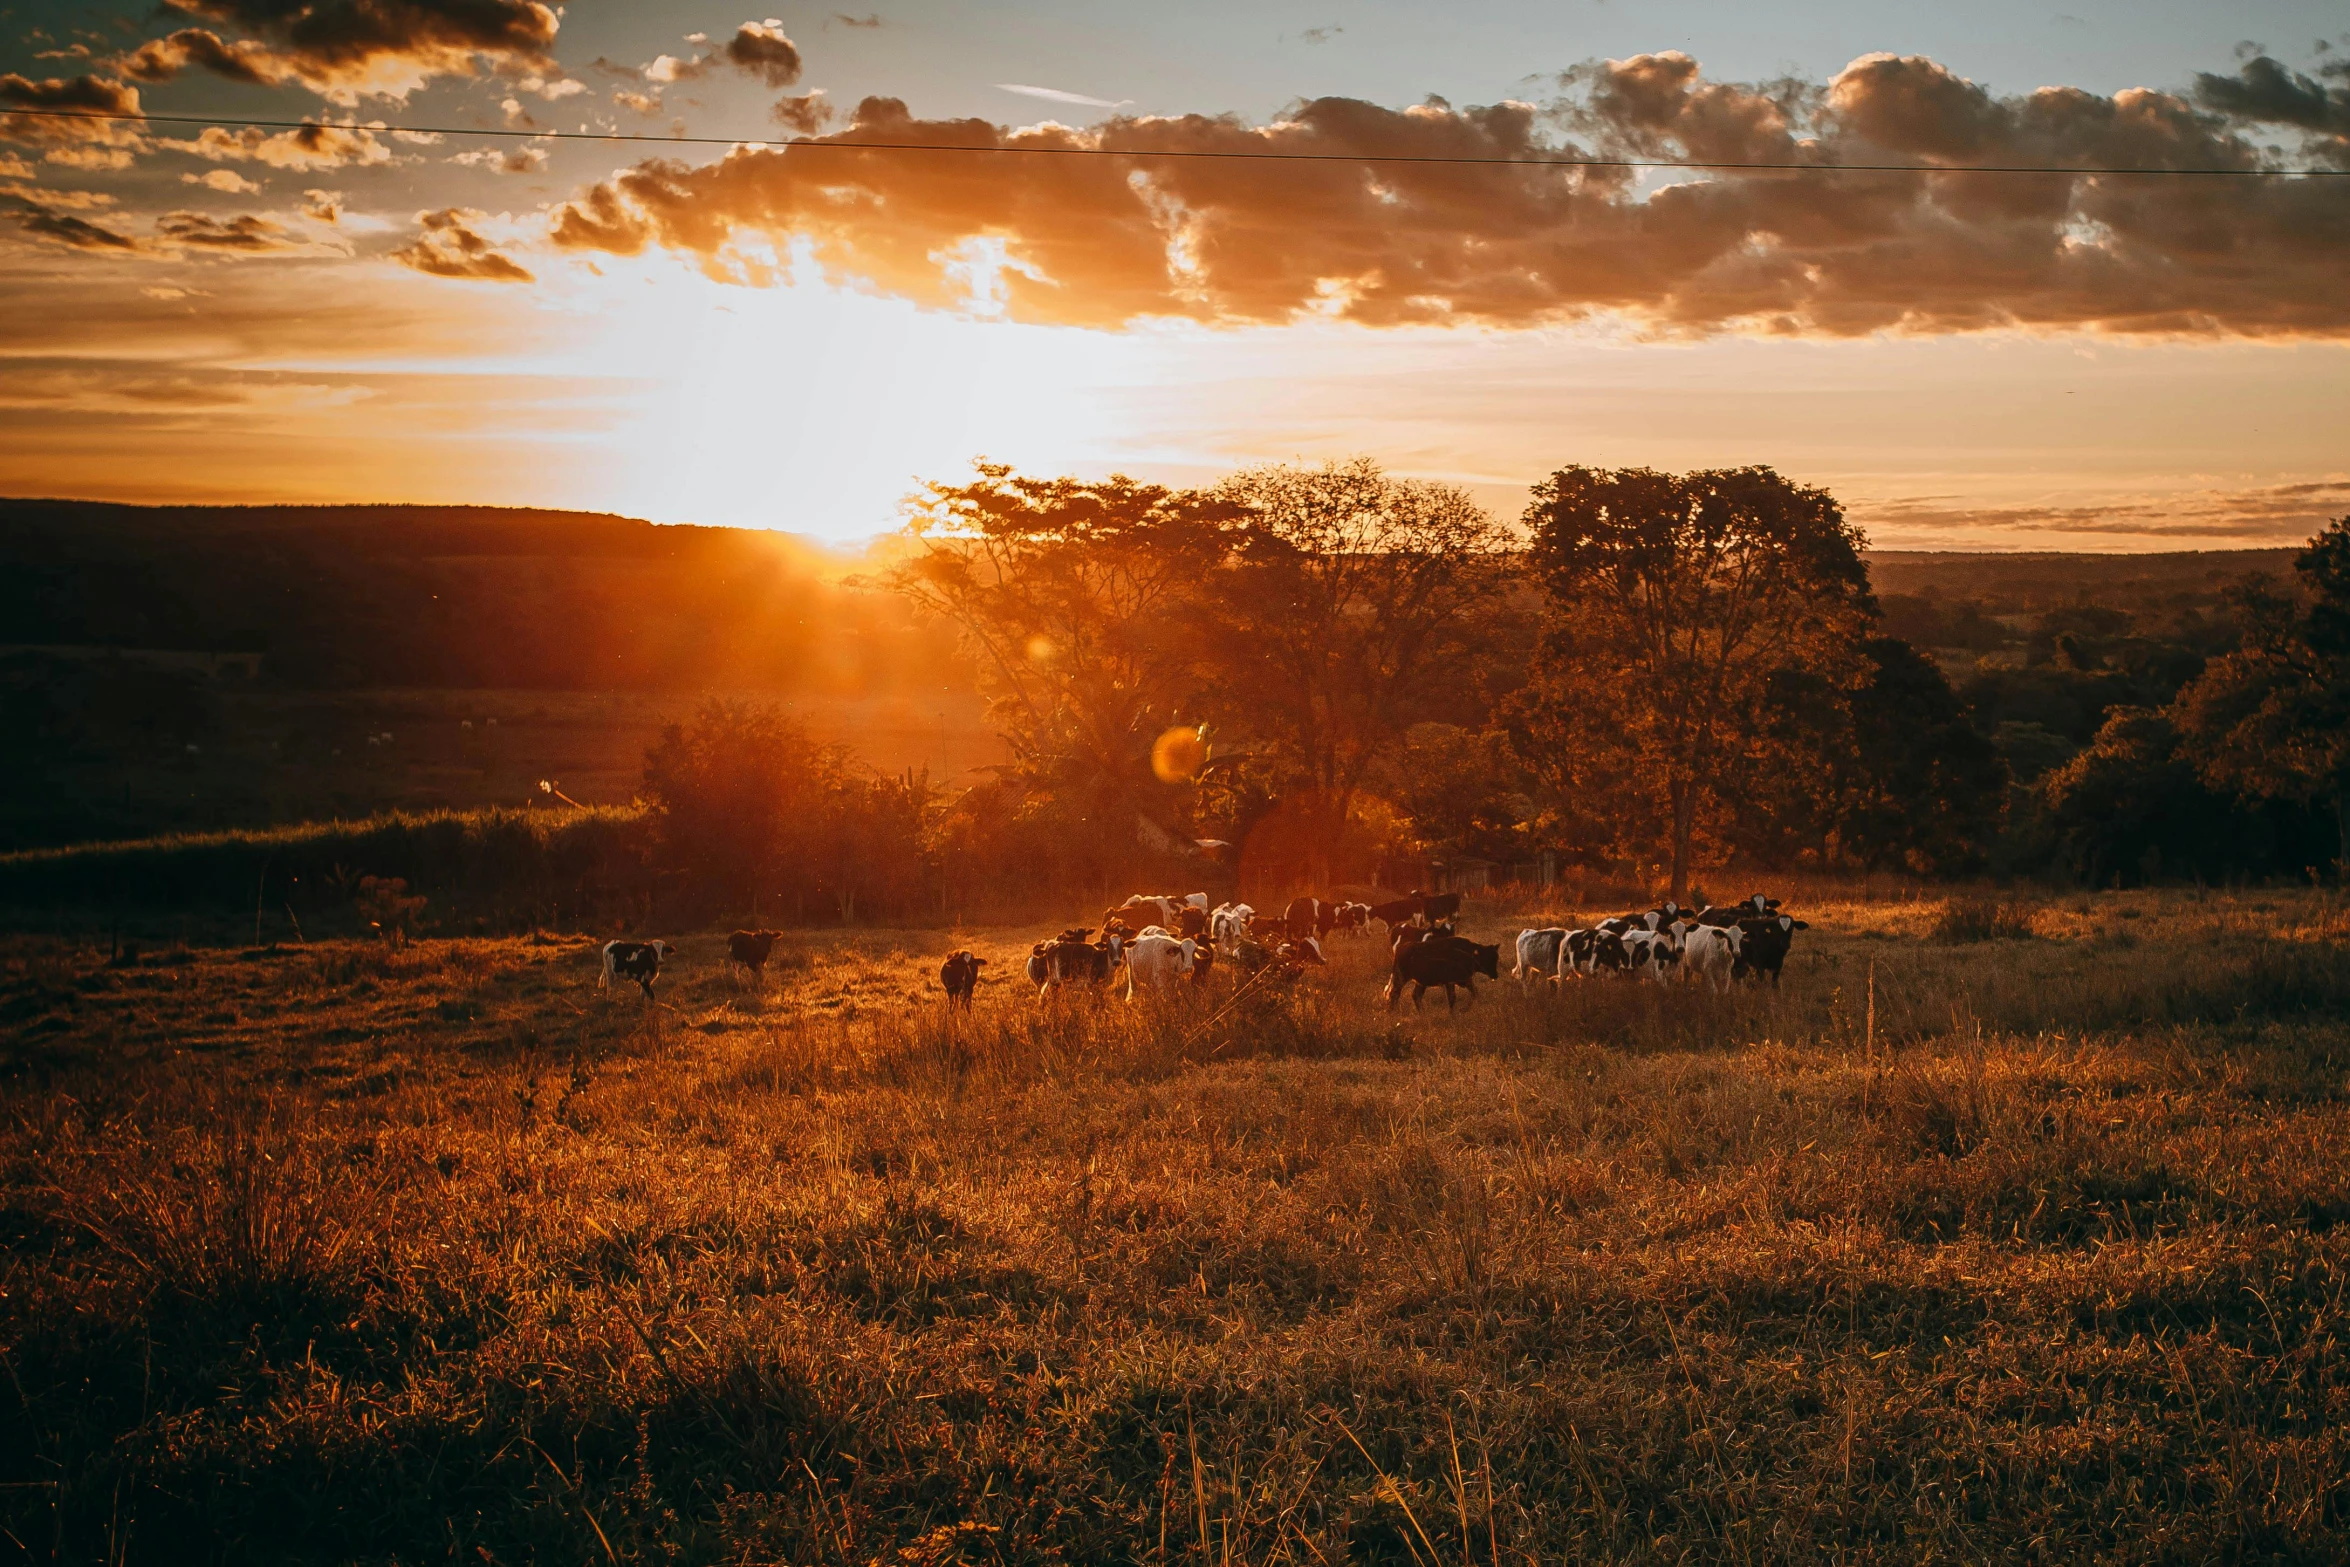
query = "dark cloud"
x=446 y=245
x=246 y=234
x=1106 y=240
x=807 y=114
x=89 y=95
x=347 y=49
x=761 y=50
x=66 y=229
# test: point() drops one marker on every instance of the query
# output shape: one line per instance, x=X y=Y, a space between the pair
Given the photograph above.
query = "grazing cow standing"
x=1710 y=954
x=1083 y=962
x=1538 y=953
x=1228 y=926
x=1763 y=944
x=637 y=960
x=1652 y=954
x=1589 y=952
x=1450 y=961
x=750 y=949
x=1157 y=961
x=1398 y=911
x=958 y=976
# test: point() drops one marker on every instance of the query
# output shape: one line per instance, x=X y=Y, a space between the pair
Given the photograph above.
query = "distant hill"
x=454 y=596
x=2037 y=583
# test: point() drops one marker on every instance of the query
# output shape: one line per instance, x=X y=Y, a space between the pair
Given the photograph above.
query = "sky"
x=329 y=281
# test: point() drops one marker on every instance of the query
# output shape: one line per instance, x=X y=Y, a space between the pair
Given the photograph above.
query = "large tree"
x=1348 y=604
x=1079 y=600
x=1676 y=602
x=2271 y=720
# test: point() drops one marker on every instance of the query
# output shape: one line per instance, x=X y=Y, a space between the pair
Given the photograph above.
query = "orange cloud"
x=1102 y=241
x=446 y=245
x=348 y=49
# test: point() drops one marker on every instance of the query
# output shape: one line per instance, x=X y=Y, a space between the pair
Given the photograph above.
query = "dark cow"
x=1304 y=951
x=1753 y=907
x=637 y=960
x=1190 y=923
x=1040 y=971
x=1763 y=944
x=1450 y=961
x=1647 y=919
x=1070 y=962
x=1437 y=907
x=751 y=948
x=958 y=976
x=1398 y=911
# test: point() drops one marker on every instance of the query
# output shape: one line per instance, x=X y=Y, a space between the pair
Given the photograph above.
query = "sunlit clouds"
x=320 y=300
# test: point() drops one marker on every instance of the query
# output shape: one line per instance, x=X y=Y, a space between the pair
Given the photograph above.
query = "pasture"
x=2017 y=1249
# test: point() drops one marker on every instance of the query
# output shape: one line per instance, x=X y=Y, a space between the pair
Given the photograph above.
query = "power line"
x=1701 y=164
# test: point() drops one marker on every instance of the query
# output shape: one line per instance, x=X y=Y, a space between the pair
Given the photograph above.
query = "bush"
x=1982 y=919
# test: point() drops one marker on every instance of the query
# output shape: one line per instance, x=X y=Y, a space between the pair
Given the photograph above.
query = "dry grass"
x=2019 y=1251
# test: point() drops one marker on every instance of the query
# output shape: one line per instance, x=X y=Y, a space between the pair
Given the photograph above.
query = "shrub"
x=1982 y=919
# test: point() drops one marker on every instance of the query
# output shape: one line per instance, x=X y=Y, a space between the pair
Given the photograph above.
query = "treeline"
x=455 y=596
x=1306 y=675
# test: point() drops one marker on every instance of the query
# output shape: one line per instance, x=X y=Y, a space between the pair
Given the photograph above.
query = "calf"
x=1710 y=955
x=1450 y=961
x=751 y=948
x=1228 y=926
x=1157 y=961
x=958 y=976
x=1763 y=944
x=1538 y=953
x=637 y=960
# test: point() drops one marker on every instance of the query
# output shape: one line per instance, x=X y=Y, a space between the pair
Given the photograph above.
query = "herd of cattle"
x=1159 y=944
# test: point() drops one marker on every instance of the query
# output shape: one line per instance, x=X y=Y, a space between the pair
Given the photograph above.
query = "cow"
x=1191 y=923
x=1158 y=910
x=1070 y=959
x=1352 y=918
x=1709 y=955
x=637 y=960
x=1228 y=925
x=1653 y=954
x=1763 y=944
x=1450 y=961
x=1437 y=907
x=1157 y=961
x=1040 y=968
x=1647 y=919
x=750 y=949
x=1398 y=911
x=1538 y=953
x=1589 y=952
x=1309 y=917
x=958 y=976
x=1753 y=907
x=1304 y=951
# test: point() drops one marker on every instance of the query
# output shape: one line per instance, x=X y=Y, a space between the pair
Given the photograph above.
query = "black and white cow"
x=1763 y=944
x=637 y=960
x=1754 y=906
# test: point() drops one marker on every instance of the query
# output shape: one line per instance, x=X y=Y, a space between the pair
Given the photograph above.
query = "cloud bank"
x=1104 y=242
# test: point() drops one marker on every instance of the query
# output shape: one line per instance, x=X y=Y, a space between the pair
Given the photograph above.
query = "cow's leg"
x=646 y=985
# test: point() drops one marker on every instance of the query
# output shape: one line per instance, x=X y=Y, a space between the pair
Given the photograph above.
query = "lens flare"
x=1178 y=754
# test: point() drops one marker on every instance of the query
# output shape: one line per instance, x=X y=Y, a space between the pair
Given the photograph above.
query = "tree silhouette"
x=1675 y=601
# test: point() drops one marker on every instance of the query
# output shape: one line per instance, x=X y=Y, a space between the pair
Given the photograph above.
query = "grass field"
x=2023 y=1249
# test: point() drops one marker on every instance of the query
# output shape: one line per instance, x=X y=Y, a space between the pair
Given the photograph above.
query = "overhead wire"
x=1709 y=165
